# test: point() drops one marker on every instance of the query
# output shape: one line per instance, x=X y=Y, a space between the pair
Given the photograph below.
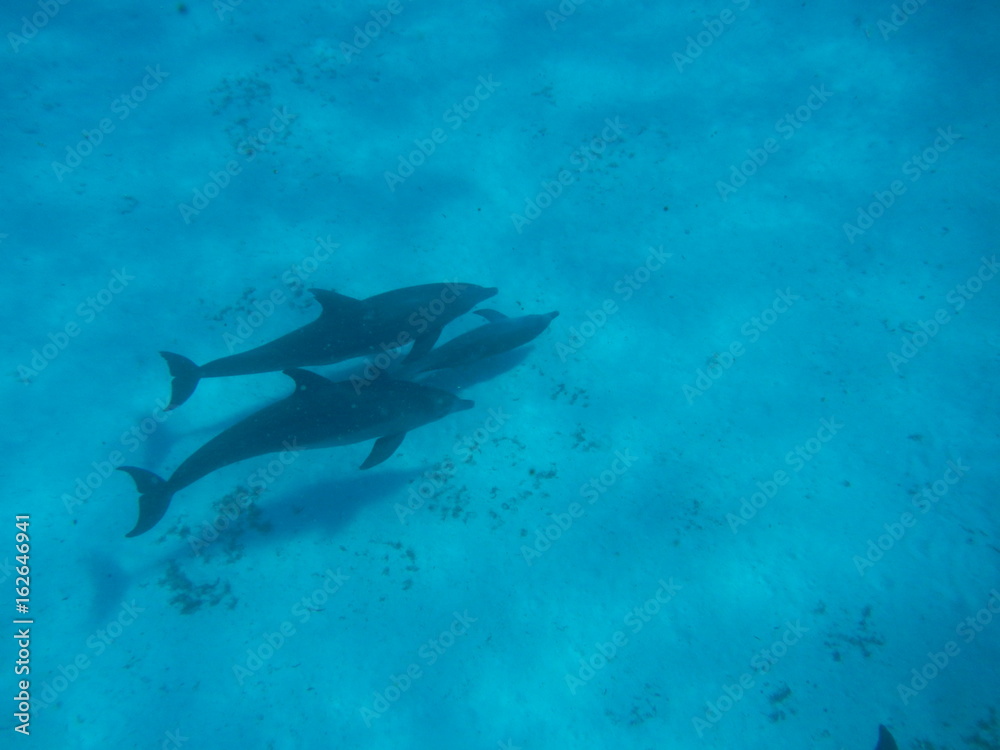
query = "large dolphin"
x=319 y=413
x=346 y=328
x=500 y=334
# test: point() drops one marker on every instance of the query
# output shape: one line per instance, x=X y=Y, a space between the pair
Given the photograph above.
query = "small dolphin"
x=885 y=740
x=346 y=328
x=319 y=413
x=500 y=334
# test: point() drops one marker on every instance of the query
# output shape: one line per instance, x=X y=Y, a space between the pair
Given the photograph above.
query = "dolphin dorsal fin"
x=492 y=316
x=334 y=303
x=885 y=740
x=306 y=380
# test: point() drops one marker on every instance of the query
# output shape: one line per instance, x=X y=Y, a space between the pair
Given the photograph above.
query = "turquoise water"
x=740 y=493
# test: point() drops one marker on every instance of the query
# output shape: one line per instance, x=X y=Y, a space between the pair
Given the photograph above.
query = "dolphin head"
x=538 y=323
x=486 y=292
x=468 y=296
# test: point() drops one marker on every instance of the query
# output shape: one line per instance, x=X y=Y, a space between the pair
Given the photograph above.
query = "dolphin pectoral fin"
x=423 y=345
x=185 y=378
x=885 y=740
x=336 y=304
x=383 y=449
x=491 y=316
x=154 y=498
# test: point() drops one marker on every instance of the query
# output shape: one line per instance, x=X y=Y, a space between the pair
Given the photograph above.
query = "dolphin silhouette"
x=319 y=413
x=500 y=334
x=346 y=328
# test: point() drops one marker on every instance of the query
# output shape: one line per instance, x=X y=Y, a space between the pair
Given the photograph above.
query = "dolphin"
x=885 y=740
x=500 y=334
x=319 y=413
x=346 y=328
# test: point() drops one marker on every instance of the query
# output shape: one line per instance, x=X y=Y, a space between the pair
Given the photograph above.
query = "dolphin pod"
x=321 y=413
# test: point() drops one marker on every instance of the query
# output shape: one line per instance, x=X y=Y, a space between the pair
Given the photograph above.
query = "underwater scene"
x=550 y=374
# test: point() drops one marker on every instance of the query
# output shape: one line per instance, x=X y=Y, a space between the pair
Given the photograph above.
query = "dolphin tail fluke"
x=186 y=377
x=154 y=497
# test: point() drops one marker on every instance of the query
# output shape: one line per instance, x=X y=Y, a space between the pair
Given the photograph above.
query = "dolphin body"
x=319 y=413
x=346 y=328
x=500 y=334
